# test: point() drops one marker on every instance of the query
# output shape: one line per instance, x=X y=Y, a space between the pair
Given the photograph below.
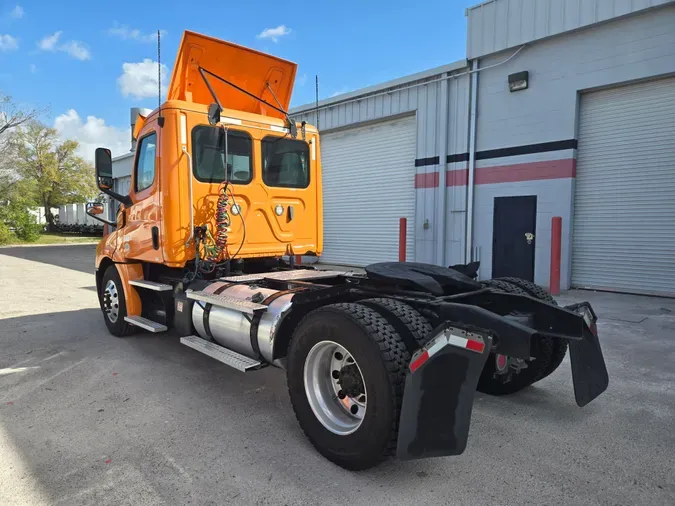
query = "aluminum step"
x=290 y=275
x=146 y=324
x=228 y=357
x=151 y=285
x=244 y=306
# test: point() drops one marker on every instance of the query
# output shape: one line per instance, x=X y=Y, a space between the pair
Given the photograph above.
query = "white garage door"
x=624 y=211
x=368 y=185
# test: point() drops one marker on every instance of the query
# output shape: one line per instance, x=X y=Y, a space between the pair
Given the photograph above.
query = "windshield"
x=285 y=162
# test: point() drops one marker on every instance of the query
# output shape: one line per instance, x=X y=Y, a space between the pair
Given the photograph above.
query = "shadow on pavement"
x=79 y=257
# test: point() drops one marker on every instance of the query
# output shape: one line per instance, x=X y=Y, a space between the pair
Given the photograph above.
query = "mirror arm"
x=107 y=222
x=124 y=199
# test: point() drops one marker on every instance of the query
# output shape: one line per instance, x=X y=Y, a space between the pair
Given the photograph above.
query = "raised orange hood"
x=247 y=68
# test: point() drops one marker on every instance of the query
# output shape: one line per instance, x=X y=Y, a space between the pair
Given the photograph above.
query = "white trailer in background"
x=39 y=214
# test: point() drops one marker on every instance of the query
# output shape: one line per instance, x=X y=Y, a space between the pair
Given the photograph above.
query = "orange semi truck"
x=225 y=187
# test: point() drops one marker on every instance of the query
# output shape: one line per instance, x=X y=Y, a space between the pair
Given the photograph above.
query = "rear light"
x=450 y=336
x=589 y=319
x=419 y=361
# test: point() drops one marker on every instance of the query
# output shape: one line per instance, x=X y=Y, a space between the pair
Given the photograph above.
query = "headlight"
x=279 y=210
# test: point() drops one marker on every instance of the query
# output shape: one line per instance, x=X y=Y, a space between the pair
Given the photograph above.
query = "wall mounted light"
x=519 y=81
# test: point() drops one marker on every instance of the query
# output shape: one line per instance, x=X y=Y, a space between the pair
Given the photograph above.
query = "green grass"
x=55 y=238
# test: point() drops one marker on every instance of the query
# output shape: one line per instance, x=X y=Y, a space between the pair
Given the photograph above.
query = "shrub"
x=29 y=232
x=6 y=235
x=25 y=226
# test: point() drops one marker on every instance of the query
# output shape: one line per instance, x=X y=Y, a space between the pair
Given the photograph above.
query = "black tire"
x=559 y=345
x=119 y=327
x=383 y=359
x=414 y=329
x=531 y=288
x=492 y=383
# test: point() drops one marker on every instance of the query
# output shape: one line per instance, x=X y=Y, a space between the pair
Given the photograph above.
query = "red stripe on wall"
x=426 y=180
x=533 y=171
x=458 y=177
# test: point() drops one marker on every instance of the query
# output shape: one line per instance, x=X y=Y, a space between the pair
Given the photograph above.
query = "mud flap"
x=589 y=372
x=439 y=393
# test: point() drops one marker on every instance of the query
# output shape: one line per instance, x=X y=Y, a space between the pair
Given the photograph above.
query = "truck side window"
x=208 y=148
x=285 y=162
x=145 y=162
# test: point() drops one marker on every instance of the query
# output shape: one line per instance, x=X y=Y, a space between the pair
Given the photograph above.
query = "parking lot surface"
x=87 y=418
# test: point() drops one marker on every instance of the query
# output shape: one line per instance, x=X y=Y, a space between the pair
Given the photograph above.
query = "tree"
x=11 y=117
x=57 y=174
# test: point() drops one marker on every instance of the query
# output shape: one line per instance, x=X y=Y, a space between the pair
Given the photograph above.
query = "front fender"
x=106 y=248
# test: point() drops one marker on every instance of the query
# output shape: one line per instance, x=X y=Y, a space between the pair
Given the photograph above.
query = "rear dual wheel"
x=503 y=375
x=558 y=346
x=346 y=369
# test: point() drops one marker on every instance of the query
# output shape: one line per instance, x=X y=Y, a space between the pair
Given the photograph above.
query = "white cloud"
x=92 y=133
x=74 y=48
x=33 y=68
x=8 y=43
x=125 y=32
x=302 y=80
x=49 y=42
x=139 y=80
x=340 y=92
x=17 y=12
x=274 y=33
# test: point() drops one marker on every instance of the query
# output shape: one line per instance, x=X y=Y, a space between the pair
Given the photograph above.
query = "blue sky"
x=85 y=60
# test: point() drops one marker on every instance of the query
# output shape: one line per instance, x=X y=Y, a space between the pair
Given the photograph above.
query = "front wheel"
x=113 y=303
x=346 y=371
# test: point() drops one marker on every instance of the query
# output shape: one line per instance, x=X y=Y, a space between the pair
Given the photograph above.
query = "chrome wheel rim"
x=111 y=301
x=335 y=388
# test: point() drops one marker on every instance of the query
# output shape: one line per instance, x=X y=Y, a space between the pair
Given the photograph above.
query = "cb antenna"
x=160 y=118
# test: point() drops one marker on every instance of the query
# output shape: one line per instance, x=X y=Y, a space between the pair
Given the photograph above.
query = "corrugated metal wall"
x=527 y=139
x=425 y=101
x=500 y=24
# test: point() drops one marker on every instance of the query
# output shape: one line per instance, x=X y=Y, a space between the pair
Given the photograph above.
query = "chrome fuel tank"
x=254 y=336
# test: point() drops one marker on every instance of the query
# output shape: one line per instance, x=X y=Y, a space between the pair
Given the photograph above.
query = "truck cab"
x=268 y=167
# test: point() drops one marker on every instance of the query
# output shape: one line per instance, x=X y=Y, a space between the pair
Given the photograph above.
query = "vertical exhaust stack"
x=134 y=113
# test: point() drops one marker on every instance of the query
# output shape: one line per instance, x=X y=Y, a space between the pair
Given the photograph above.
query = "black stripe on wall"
x=527 y=149
x=459 y=157
x=432 y=160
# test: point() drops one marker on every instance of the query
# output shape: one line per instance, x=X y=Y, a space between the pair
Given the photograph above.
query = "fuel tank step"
x=227 y=357
x=146 y=324
x=242 y=305
x=151 y=285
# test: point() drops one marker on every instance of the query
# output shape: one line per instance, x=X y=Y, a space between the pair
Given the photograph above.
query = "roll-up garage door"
x=368 y=185
x=624 y=205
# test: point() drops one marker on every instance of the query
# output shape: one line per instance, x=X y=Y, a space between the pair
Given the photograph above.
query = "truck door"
x=141 y=239
x=287 y=171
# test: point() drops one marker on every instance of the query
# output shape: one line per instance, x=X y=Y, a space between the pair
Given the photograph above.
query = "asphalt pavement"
x=87 y=418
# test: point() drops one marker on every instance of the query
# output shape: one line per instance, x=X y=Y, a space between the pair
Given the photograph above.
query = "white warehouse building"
x=562 y=108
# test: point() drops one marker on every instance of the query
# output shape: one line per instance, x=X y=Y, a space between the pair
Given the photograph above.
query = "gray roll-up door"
x=368 y=185
x=624 y=205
